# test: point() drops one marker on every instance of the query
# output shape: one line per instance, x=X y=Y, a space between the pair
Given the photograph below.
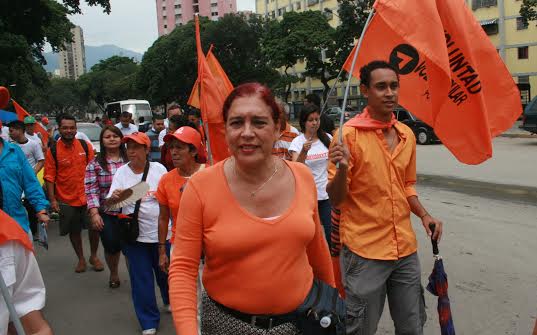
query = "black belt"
x=259 y=321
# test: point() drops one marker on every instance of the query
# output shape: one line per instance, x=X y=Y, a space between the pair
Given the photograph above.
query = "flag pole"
x=206 y=128
x=355 y=57
x=11 y=308
x=331 y=89
x=347 y=88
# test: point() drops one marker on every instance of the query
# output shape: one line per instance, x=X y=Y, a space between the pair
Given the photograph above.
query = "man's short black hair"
x=125 y=114
x=62 y=117
x=17 y=124
x=179 y=121
x=196 y=112
x=365 y=71
x=158 y=117
x=314 y=99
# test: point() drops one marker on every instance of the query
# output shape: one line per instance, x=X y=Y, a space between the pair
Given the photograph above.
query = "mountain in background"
x=93 y=56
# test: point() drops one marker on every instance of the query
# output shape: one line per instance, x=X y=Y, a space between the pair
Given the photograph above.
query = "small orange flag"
x=10 y=230
x=22 y=113
x=451 y=75
x=213 y=91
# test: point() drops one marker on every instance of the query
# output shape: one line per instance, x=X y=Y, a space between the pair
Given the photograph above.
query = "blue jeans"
x=111 y=234
x=143 y=270
x=325 y=210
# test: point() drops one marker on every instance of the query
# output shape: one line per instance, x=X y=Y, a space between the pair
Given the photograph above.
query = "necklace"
x=254 y=192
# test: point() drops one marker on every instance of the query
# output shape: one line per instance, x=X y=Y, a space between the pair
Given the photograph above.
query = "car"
x=335 y=113
x=529 y=117
x=92 y=131
x=424 y=133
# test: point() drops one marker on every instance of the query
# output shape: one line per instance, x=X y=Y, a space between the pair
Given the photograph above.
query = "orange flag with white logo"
x=213 y=91
x=451 y=75
x=22 y=113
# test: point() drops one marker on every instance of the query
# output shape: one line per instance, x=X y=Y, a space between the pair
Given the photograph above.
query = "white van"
x=138 y=108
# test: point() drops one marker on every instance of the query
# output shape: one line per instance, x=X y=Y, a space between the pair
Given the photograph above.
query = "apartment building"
x=516 y=42
x=172 y=13
x=72 y=59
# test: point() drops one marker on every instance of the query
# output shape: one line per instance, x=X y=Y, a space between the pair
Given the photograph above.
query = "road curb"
x=513 y=193
x=518 y=135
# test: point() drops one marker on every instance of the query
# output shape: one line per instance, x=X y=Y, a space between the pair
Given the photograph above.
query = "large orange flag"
x=10 y=230
x=219 y=74
x=450 y=73
x=22 y=113
x=213 y=90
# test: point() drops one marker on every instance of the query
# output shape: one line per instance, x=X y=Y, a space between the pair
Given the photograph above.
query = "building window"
x=491 y=29
x=312 y=2
x=214 y=5
x=214 y=13
x=523 y=53
x=298 y=5
x=521 y=24
x=523 y=79
x=178 y=17
x=165 y=26
x=476 y=4
x=196 y=8
x=177 y=6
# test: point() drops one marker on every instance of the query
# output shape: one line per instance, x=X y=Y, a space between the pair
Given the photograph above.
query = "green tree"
x=169 y=69
x=25 y=27
x=528 y=10
x=110 y=80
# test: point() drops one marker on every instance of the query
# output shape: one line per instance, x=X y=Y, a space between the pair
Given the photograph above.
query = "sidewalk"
x=516 y=132
x=511 y=172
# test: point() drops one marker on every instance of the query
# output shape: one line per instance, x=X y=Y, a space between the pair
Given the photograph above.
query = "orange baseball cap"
x=44 y=120
x=138 y=137
x=188 y=135
x=4 y=97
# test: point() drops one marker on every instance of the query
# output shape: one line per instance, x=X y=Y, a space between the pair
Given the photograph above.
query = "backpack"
x=54 y=150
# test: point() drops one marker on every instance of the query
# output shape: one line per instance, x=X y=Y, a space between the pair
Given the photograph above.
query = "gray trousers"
x=367 y=282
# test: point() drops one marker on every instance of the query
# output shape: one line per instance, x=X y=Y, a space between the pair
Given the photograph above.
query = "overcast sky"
x=132 y=24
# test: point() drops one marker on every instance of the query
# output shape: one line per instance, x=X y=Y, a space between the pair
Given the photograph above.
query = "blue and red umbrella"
x=438 y=286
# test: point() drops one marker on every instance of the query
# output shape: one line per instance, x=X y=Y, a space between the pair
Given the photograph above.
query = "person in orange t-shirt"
x=254 y=217
x=64 y=176
x=187 y=151
x=374 y=189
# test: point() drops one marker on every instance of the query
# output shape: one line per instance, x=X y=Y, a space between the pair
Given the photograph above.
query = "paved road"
x=488 y=248
x=514 y=162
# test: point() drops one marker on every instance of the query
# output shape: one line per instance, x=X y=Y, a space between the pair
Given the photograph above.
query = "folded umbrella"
x=438 y=286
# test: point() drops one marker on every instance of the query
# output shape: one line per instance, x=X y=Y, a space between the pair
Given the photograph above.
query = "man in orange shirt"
x=65 y=168
x=374 y=188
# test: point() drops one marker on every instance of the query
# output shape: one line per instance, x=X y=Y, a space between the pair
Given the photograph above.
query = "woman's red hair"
x=250 y=89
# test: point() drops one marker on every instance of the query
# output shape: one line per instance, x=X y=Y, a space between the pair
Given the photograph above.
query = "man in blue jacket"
x=16 y=177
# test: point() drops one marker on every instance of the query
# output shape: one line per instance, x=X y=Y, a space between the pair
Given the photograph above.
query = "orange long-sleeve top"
x=252 y=265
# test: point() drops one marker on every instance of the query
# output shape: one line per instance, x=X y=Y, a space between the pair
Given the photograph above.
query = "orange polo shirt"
x=252 y=265
x=375 y=216
x=70 y=172
x=170 y=189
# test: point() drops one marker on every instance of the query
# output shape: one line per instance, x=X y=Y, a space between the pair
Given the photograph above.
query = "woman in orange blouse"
x=254 y=217
x=187 y=152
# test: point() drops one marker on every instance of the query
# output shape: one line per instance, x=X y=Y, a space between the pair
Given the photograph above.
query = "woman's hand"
x=97 y=222
x=307 y=146
x=163 y=261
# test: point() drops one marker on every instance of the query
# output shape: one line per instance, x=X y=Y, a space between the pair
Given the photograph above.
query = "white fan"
x=129 y=196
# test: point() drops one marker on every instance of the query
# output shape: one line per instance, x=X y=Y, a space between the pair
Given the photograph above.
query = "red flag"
x=22 y=113
x=10 y=230
x=213 y=90
x=451 y=75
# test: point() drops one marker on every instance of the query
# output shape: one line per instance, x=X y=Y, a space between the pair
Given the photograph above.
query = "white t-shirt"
x=34 y=137
x=23 y=279
x=149 y=208
x=161 y=135
x=127 y=130
x=33 y=152
x=317 y=161
x=5 y=133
